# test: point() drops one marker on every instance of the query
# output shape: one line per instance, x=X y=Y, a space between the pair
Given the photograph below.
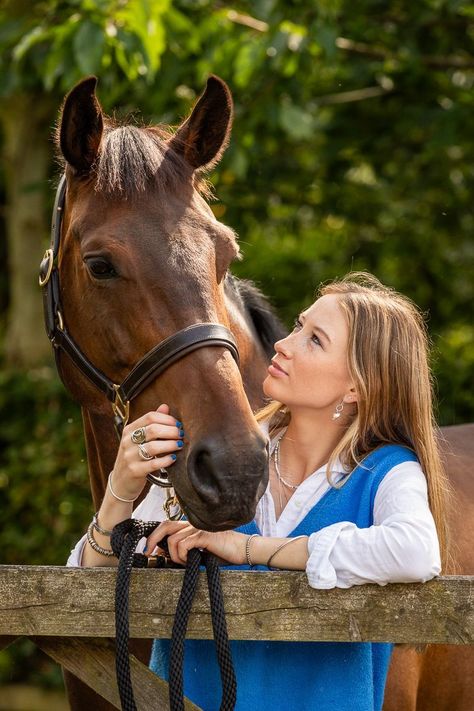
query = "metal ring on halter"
x=162 y=479
x=138 y=436
x=143 y=453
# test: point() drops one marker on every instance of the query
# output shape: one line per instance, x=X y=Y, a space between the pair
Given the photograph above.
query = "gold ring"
x=143 y=454
x=139 y=436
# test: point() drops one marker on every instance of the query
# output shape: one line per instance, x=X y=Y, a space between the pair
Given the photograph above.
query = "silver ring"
x=143 y=454
x=138 y=436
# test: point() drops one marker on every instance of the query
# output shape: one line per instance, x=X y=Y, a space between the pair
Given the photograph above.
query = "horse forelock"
x=133 y=159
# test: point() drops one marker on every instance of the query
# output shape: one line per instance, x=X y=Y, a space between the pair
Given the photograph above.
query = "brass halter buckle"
x=172 y=501
x=48 y=255
x=121 y=409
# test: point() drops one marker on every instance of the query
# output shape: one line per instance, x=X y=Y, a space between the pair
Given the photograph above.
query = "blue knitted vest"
x=301 y=676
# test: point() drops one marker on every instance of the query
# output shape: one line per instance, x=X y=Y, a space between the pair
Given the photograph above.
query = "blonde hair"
x=388 y=360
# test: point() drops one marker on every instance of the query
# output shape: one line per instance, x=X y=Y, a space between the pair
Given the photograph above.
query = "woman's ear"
x=350 y=397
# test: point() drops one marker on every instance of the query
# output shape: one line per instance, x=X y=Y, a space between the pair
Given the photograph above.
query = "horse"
x=440 y=677
x=141 y=258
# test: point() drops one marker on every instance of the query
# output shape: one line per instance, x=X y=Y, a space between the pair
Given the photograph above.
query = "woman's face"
x=309 y=369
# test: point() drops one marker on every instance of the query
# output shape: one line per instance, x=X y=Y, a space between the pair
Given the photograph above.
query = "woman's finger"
x=175 y=539
x=157 y=447
x=184 y=545
x=152 y=465
x=161 y=431
x=149 y=418
x=166 y=528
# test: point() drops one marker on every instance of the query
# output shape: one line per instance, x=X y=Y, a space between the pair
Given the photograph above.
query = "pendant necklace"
x=276 y=458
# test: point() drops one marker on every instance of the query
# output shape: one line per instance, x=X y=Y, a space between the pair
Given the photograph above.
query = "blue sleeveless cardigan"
x=301 y=676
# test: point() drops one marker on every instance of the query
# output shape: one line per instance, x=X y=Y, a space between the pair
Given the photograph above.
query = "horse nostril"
x=203 y=476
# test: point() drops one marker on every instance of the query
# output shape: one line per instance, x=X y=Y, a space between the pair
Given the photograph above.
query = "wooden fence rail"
x=65 y=610
x=40 y=600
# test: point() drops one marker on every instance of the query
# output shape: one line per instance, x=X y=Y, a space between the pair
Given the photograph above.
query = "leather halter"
x=151 y=365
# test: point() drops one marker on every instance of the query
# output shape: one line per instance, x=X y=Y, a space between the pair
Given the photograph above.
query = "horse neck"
x=253 y=374
x=101 y=446
x=247 y=331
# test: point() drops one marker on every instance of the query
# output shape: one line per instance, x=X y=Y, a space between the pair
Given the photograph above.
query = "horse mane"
x=131 y=158
x=268 y=326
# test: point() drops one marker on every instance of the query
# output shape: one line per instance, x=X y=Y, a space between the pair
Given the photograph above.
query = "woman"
x=355 y=493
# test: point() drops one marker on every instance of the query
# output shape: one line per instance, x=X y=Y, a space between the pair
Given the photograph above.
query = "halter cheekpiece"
x=149 y=367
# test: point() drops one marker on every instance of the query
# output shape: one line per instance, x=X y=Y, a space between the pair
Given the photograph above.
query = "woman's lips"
x=275 y=370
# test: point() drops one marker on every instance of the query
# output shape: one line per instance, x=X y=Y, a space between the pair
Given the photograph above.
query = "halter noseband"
x=148 y=368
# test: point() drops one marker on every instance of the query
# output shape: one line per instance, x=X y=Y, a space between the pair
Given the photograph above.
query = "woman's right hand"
x=164 y=439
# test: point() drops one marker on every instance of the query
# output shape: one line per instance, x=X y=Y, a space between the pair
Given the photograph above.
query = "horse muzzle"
x=223 y=482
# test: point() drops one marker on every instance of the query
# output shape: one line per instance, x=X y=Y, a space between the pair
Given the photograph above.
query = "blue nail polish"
x=180 y=443
x=181 y=433
x=178 y=423
x=173 y=457
x=145 y=549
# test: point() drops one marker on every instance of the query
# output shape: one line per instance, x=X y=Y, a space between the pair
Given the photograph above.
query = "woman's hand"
x=227 y=545
x=163 y=439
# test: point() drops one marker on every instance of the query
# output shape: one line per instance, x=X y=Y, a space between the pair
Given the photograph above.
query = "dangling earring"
x=338 y=410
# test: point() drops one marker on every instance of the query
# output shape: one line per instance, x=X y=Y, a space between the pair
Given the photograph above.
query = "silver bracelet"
x=247 y=549
x=95 y=525
x=119 y=498
x=286 y=543
x=94 y=545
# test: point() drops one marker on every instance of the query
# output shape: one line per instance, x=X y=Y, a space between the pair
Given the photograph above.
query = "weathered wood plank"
x=36 y=600
x=93 y=661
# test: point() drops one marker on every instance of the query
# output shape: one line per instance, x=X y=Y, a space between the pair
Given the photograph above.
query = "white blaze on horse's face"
x=143 y=257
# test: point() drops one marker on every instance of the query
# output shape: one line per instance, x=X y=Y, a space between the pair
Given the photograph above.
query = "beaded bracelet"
x=94 y=545
x=247 y=549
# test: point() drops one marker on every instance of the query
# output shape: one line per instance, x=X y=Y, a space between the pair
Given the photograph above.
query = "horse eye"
x=100 y=268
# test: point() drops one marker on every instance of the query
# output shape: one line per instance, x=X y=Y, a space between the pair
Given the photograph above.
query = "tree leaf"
x=297 y=123
x=88 y=46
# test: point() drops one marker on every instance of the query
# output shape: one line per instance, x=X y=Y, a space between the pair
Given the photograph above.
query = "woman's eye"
x=315 y=339
x=101 y=268
x=297 y=323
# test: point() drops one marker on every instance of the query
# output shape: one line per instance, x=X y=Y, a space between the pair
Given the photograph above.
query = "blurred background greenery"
x=352 y=149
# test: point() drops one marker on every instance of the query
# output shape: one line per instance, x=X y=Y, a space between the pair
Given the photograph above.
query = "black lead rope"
x=124 y=540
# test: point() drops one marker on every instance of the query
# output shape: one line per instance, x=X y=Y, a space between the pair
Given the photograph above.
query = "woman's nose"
x=283 y=347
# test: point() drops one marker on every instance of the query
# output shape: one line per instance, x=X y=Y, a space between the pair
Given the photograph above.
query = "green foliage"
x=44 y=490
x=52 y=44
x=43 y=471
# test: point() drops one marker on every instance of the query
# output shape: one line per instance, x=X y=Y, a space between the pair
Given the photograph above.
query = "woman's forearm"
x=292 y=556
x=110 y=513
x=232 y=547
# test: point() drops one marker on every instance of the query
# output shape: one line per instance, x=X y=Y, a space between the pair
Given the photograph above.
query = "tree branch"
x=247 y=21
x=439 y=62
x=346 y=97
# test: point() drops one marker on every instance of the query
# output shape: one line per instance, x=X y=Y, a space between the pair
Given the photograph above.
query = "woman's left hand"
x=227 y=545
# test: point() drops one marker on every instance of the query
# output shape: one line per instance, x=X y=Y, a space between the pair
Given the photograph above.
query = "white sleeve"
x=75 y=557
x=150 y=509
x=400 y=547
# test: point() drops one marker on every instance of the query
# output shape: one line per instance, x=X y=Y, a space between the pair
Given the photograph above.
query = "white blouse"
x=400 y=547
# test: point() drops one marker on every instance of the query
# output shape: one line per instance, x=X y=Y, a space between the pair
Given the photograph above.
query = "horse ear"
x=203 y=137
x=81 y=126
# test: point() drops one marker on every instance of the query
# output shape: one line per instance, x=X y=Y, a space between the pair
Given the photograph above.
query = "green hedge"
x=44 y=491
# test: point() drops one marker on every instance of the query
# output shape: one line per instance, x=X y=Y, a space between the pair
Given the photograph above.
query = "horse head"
x=142 y=257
